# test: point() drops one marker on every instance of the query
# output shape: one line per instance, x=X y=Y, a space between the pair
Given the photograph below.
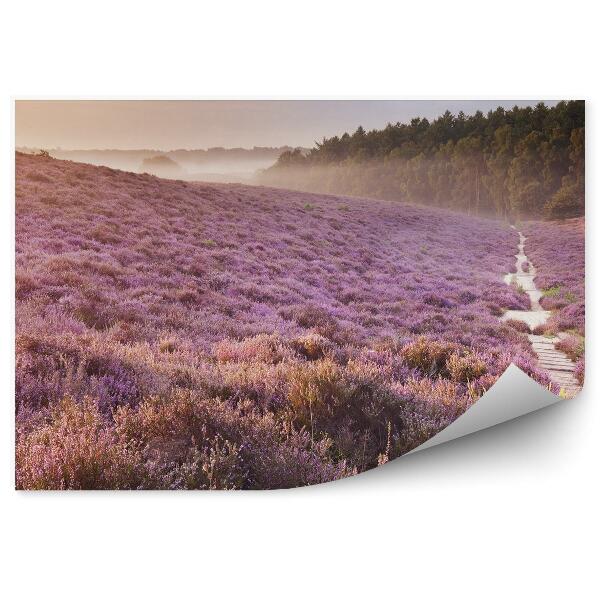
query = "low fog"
x=226 y=165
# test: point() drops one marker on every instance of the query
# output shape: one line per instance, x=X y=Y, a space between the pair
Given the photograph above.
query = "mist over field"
x=227 y=165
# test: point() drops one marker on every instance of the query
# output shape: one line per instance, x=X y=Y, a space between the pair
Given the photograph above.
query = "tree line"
x=523 y=162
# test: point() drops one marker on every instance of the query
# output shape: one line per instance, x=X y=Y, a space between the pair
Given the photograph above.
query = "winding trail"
x=557 y=364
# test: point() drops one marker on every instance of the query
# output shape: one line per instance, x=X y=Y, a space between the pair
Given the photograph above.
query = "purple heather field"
x=557 y=250
x=177 y=335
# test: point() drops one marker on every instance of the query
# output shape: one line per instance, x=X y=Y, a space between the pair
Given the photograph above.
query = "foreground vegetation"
x=179 y=335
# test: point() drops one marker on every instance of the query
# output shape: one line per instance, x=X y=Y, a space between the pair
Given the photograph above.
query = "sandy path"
x=557 y=364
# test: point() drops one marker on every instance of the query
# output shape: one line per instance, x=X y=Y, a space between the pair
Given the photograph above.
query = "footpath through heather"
x=557 y=364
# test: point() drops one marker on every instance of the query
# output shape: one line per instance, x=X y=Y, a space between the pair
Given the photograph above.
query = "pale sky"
x=169 y=125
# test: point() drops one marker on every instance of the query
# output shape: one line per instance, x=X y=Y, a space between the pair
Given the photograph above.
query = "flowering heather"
x=183 y=335
x=556 y=248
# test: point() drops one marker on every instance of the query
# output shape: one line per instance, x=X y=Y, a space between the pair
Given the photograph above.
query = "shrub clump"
x=580 y=370
x=517 y=325
x=429 y=356
x=192 y=442
x=167 y=345
x=573 y=346
x=182 y=441
x=465 y=369
x=261 y=348
x=443 y=359
x=312 y=346
x=357 y=412
x=75 y=449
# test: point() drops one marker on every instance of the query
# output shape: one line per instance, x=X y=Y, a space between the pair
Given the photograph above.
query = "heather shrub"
x=387 y=344
x=495 y=309
x=309 y=316
x=466 y=297
x=438 y=392
x=437 y=300
x=353 y=411
x=573 y=346
x=556 y=248
x=218 y=466
x=75 y=449
x=466 y=368
x=481 y=385
x=301 y=461
x=340 y=335
x=263 y=384
x=24 y=285
x=48 y=369
x=580 y=370
x=205 y=443
x=39 y=177
x=114 y=388
x=541 y=329
x=167 y=345
x=187 y=297
x=571 y=317
x=429 y=356
x=105 y=233
x=93 y=313
x=509 y=298
x=260 y=348
x=312 y=346
x=40 y=371
x=519 y=326
x=556 y=297
x=113 y=379
x=316 y=390
x=35 y=391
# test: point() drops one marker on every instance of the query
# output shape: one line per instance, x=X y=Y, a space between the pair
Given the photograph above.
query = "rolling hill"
x=173 y=334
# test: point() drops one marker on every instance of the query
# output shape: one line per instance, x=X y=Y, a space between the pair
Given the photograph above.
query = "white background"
x=507 y=513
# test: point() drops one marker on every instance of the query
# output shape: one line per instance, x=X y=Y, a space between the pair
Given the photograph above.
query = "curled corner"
x=513 y=395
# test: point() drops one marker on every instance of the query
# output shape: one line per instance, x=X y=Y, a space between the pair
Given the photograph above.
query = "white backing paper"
x=513 y=395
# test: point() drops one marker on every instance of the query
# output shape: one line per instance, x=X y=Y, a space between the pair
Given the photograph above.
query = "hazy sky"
x=168 y=125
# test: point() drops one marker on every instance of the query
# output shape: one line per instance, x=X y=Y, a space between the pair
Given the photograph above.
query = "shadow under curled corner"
x=513 y=395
